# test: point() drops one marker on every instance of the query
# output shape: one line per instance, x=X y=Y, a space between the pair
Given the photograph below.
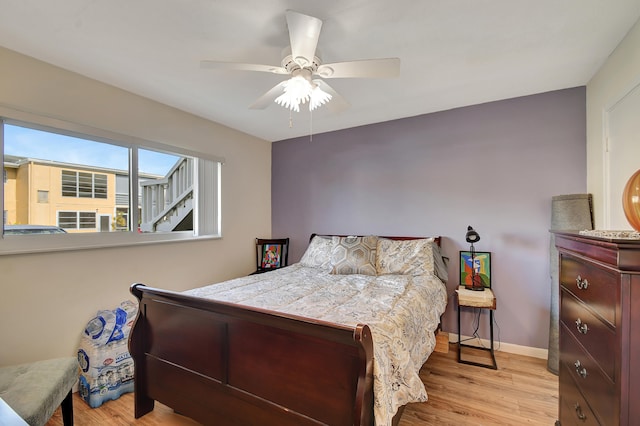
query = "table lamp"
x=476 y=282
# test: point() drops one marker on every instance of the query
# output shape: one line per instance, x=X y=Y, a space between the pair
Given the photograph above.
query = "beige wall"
x=46 y=299
x=619 y=74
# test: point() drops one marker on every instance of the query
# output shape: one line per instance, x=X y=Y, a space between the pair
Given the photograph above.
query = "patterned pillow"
x=354 y=255
x=318 y=254
x=405 y=257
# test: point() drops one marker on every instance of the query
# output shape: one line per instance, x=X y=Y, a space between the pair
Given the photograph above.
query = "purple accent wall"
x=494 y=166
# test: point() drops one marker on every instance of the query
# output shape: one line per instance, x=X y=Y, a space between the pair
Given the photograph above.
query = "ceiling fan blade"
x=268 y=98
x=236 y=66
x=304 y=31
x=337 y=103
x=366 y=68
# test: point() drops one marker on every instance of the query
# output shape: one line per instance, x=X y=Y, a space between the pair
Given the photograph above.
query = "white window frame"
x=207 y=217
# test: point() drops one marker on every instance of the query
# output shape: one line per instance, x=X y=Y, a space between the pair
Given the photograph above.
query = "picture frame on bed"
x=271 y=256
x=482 y=265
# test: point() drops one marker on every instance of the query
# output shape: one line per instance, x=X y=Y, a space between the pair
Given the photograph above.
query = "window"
x=121 y=218
x=104 y=183
x=83 y=184
x=76 y=220
x=43 y=196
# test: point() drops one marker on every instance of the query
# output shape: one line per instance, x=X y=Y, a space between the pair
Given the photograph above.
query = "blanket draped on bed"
x=402 y=311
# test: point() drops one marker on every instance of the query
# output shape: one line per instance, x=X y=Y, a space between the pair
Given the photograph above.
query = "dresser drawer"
x=574 y=409
x=596 y=336
x=597 y=287
x=597 y=388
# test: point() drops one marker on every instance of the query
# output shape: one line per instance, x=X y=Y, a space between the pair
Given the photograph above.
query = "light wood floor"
x=520 y=392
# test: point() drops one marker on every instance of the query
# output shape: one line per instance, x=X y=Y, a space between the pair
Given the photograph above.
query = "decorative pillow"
x=405 y=257
x=318 y=254
x=354 y=255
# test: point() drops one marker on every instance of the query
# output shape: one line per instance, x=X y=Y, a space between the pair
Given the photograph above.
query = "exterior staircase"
x=167 y=203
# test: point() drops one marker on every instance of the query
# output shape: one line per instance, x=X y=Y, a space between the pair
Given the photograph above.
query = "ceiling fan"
x=306 y=70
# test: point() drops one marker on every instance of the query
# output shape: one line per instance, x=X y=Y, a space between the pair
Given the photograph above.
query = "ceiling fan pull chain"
x=290 y=120
x=311 y=126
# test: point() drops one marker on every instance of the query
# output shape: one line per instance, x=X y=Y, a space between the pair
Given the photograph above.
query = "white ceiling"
x=453 y=52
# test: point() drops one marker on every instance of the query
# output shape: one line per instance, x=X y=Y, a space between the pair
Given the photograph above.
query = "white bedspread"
x=402 y=312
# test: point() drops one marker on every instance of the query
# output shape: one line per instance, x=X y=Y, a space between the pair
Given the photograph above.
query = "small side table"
x=482 y=300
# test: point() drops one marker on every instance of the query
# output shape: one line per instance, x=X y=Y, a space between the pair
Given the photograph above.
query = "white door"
x=105 y=223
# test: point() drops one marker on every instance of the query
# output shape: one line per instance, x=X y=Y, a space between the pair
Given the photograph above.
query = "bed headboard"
x=399 y=238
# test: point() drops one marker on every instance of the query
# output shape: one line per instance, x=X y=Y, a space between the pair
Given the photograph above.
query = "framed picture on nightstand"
x=482 y=265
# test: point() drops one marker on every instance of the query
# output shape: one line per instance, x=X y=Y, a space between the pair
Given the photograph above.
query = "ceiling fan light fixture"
x=318 y=98
x=299 y=89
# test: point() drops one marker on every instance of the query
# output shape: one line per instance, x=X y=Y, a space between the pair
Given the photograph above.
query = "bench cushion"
x=35 y=390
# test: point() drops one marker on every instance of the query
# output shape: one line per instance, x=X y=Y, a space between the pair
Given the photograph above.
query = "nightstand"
x=479 y=300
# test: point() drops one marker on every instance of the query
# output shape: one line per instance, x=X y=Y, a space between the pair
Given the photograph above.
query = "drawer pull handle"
x=582 y=371
x=579 y=412
x=582 y=326
x=582 y=284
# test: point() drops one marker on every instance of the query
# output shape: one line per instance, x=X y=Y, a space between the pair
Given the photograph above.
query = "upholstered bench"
x=35 y=390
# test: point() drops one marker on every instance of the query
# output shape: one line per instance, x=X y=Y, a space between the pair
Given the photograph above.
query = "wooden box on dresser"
x=599 y=330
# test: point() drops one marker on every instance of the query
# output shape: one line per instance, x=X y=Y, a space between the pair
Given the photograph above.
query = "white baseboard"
x=501 y=346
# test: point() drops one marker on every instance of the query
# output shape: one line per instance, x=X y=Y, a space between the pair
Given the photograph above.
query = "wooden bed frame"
x=227 y=364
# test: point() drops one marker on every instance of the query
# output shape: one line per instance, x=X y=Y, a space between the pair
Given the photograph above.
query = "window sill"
x=26 y=244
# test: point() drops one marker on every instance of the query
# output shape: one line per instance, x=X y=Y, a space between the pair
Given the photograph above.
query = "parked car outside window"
x=32 y=229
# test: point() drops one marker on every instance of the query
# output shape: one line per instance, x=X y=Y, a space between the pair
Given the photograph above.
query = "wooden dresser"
x=599 y=330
